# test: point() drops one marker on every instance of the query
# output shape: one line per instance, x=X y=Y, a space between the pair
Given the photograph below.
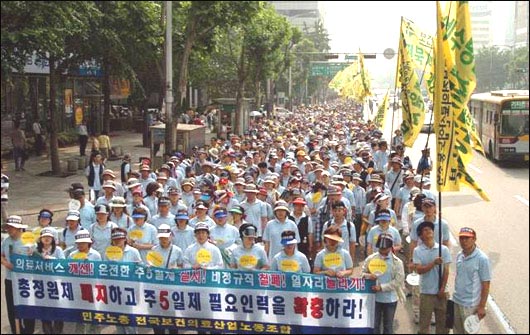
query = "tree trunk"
x=34 y=97
x=106 y=97
x=191 y=34
x=54 y=146
x=257 y=93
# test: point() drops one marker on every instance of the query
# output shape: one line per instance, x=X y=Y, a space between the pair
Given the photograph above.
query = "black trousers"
x=52 y=327
x=162 y=330
x=27 y=326
x=83 y=140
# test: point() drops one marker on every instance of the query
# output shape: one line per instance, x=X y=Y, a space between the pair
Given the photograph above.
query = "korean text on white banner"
x=127 y=294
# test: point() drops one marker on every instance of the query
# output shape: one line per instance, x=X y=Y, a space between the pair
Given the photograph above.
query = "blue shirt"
x=13 y=247
x=273 y=234
x=183 y=238
x=383 y=296
x=148 y=234
x=92 y=255
x=342 y=260
x=445 y=230
x=87 y=215
x=172 y=258
x=295 y=263
x=225 y=235
x=471 y=271
x=374 y=233
x=130 y=254
x=255 y=257
x=158 y=219
x=208 y=251
x=424 y=255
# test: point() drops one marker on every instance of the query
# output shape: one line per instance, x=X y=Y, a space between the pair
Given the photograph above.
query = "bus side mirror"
x=496 y=119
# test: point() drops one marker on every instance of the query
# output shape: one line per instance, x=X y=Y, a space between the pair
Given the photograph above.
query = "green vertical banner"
x=380 y=118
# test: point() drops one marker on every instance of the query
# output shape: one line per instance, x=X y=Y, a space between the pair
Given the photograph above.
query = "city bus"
x=501 y=118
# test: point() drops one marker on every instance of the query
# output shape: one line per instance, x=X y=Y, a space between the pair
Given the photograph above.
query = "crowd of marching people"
x=319 y=191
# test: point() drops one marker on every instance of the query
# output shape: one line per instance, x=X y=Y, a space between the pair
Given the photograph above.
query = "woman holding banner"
x=332 y=260
x=249 y=255
x=13 y=245
x=388 y=272
x=47 y=248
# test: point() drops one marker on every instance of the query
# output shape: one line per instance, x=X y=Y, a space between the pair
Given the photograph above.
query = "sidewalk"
x=29 y=192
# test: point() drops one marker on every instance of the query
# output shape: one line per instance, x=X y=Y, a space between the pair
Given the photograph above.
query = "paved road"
x=502 y=226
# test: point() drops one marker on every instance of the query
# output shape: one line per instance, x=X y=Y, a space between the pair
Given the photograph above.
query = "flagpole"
x=439 y=73
x=395 y=85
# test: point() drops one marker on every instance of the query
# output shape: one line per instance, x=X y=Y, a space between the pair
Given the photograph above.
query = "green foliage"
x=267 y=40
x=312 y=47
x=43 y=27
x=498 y=68
x=67 y=138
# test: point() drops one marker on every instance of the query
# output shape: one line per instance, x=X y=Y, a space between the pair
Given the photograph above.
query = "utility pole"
x=169 y=144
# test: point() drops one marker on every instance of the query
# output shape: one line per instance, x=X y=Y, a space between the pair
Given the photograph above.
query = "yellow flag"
x=453 y=83
x=365 y=78
x=460 y=57
x=343 y=81
x=414 y=57
x=380 y=118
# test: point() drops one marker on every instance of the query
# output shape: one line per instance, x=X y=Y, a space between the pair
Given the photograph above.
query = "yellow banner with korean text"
x=413 y=60
x=454 y=81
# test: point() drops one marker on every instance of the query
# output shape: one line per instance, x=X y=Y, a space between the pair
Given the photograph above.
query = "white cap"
x=15 y=221
x=164 y=230
x=47 y=232
x=73 y=215
x=83 y=236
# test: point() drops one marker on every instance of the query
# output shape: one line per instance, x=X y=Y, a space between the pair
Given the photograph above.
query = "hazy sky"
x=374 y=26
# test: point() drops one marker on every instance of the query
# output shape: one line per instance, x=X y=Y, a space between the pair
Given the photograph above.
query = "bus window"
x=514 y=125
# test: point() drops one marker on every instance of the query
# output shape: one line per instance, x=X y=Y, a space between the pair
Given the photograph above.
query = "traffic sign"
x=389 y=53
x=326 y=69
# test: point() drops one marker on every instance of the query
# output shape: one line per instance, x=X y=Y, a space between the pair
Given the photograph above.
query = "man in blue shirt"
x=433 y=296
x=472 y=280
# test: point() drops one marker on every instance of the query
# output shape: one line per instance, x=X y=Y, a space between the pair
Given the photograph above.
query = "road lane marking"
x=521 y=199
x=473 y=167
x=503 y=319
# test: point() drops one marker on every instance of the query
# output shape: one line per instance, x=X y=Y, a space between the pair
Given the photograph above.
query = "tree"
x=122 y=38
x=518 y=68
x=50 y=30
x=199 y=22
x=267 y=39
x=501 y=68
x=313 y=47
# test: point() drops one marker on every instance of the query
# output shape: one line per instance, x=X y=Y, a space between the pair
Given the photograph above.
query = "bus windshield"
x=514 y=123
